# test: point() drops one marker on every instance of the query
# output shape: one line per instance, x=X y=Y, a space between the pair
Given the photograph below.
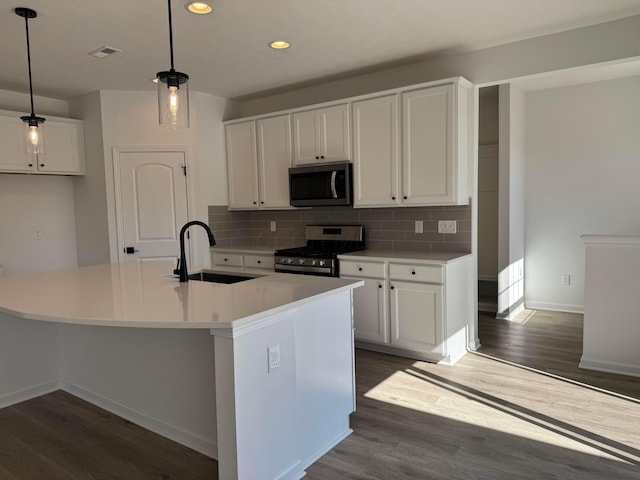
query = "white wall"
x=129 y=118
x=582 y=177
x=30 y=203
x=604 y=42
x=36 y=202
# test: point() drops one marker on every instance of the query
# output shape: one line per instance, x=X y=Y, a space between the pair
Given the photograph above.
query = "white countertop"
x=145 y=294
x=410 y=256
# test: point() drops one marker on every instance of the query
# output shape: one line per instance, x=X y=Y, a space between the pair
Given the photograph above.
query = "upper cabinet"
x=411 y=147
x=258 y=161
x=322 y=135
x=432 y=138
x=64 y=154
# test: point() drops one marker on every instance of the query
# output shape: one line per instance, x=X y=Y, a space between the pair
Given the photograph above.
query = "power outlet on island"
x=447 y=226
x=273 y=354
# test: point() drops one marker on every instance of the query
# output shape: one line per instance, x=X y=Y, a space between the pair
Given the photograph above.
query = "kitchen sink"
x=221 y=277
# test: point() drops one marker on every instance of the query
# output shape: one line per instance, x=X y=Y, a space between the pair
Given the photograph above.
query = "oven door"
x=319 y=185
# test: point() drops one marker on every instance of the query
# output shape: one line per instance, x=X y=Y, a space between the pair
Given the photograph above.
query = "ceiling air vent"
x=103 y=52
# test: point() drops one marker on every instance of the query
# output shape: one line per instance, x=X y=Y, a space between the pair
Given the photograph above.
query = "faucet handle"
x=177 y=270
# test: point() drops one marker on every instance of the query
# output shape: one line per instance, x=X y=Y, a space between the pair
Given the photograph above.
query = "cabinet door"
x=242 y=165
x=416 y=316
x=370 y=311
x=306 y=146
x=12 y=154
x=274 y=160
x=428 y=146
x=335 y=138
x=64 y=152
x=375 y=151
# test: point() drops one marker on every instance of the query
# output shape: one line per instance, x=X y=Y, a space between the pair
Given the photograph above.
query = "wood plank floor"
x=518 y=409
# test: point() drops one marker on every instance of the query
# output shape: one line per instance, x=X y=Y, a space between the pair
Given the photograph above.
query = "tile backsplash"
x=385 y=228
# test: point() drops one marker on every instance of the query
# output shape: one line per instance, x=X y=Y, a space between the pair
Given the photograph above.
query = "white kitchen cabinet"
x=435 y=147
x=321 y=135
x=433 y=139
x=242 y=259
x=64 y=149
x=411 y=306
x=376 y=166
x=370 y=302
x=258 y=161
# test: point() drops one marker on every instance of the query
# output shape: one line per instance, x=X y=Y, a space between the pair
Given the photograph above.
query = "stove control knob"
x=313 y=262
x=301 y=261
x=321 y=263
x=289 y=260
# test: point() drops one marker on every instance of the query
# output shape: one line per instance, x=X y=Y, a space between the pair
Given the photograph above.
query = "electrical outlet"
x=419 y=226
x=447 y=226
x=565 y=279
x=272 y=226
x=273 y=353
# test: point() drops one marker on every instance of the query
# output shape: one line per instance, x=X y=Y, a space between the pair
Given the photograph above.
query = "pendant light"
x=173 y=92
x=34 y=126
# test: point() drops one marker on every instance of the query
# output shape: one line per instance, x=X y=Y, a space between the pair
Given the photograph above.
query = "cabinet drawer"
x=362 y=269
x=229 y=259
x=416 y=273
x=258 y=261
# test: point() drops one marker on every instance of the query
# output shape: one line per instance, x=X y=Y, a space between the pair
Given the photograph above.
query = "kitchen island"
x=257 y=374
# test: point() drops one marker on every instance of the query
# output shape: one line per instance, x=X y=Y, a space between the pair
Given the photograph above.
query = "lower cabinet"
x=414 y=309
x=242 y=259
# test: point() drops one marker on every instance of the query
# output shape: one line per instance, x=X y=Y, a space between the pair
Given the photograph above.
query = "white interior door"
x=153 y=204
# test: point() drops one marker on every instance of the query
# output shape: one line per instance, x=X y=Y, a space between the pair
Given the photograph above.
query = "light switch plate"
x=447 y=226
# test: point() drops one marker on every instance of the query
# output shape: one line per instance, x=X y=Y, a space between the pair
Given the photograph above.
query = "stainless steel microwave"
x=317 y=185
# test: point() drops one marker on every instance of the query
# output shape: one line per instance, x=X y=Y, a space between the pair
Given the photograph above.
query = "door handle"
x=333 y=184
x=130 y=250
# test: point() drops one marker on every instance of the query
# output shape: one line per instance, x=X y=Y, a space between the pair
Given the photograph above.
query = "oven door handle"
x=333 y=184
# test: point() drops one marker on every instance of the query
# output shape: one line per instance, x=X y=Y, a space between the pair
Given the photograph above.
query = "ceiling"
x=226 y=53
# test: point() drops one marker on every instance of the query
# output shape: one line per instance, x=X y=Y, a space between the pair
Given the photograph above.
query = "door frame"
x=116 y=151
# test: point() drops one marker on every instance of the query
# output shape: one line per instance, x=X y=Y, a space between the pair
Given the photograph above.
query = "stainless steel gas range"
x=320 y=255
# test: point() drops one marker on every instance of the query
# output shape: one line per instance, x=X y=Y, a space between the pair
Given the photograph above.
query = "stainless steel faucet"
x=181 y=268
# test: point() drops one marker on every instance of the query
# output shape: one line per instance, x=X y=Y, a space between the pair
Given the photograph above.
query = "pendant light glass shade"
x=173 y=99
x=34 y=137
x=173 y=92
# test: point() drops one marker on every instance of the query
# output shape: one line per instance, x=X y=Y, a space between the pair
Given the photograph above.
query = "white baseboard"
x=188 y=439
x=322 y=451
x=621 y=369
x=29 y=393
x=511 y=314
x=555 y=307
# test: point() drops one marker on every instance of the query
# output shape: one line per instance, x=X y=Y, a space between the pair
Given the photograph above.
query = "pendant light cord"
x=170 y=34
x=26 y=24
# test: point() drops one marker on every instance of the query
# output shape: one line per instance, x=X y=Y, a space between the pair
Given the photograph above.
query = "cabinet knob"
x=393 y=198
x=359 y=269
x=42 y=164
x=31 y=164
x=255 y=203
x=413 y=272
x=379 y=286
x=259 y=261
x=317 y=157
x=392 y=287
x=322 y=157
x=405 y=197
x=226 y=259
x=261 y=203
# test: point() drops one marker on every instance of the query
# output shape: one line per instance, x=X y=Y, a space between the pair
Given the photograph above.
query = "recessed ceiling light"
x=279 y=45
x=199 y=8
